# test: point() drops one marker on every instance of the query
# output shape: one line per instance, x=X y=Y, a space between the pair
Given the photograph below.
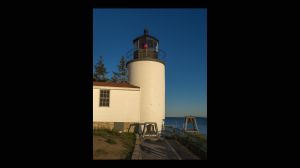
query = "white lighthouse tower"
x=147 y=71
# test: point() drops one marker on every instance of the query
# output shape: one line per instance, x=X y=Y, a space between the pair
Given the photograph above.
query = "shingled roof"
x=113 y=84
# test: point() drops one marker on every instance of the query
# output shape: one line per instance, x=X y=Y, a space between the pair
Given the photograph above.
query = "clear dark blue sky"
x=182 y=33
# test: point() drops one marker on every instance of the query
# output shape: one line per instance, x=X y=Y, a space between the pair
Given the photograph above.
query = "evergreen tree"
x=122 y=74
x=100 y=71
x=115 y=77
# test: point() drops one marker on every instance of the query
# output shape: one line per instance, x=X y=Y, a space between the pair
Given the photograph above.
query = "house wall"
x=124 y=105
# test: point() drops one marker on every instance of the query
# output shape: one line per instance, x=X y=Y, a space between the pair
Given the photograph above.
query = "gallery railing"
x=151 y=54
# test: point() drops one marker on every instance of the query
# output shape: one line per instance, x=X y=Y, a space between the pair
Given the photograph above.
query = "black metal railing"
x=150 y=53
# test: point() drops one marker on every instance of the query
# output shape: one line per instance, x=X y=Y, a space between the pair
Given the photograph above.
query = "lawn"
x=108 y=145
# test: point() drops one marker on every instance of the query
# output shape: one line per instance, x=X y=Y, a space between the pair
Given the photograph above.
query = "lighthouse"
x=147 y=71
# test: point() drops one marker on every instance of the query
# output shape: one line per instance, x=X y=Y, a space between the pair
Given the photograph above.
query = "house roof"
x=113 y=84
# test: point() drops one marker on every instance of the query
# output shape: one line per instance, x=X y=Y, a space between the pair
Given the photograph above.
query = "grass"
x=197 y=143
x=99 y=152
x=105 y=133
x=198 y=136
x=129 y=142
x=111 y=141
x=128 y=139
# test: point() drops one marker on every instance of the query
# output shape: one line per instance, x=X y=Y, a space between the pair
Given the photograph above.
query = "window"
x=104 y=98
x=150 y=43
x=141 y=42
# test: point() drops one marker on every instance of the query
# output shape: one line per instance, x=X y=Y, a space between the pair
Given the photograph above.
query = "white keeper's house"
x=142 y=99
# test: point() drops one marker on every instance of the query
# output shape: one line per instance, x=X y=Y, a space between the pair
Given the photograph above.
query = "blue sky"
x=182 y=34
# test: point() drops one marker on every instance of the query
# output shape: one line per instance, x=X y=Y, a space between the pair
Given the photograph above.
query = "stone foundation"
x=107 y=125
x=118 y=126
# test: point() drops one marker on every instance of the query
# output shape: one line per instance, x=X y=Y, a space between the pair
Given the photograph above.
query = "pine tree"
x=100 y=71
x=121 y=75
x=115 y=77
x=123 y=70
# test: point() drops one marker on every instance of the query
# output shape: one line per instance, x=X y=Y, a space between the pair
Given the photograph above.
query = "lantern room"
x=145 y=47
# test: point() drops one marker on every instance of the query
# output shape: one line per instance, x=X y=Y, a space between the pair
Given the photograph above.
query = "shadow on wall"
x=118 y=126
x=129 y=127
x=136 y=127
